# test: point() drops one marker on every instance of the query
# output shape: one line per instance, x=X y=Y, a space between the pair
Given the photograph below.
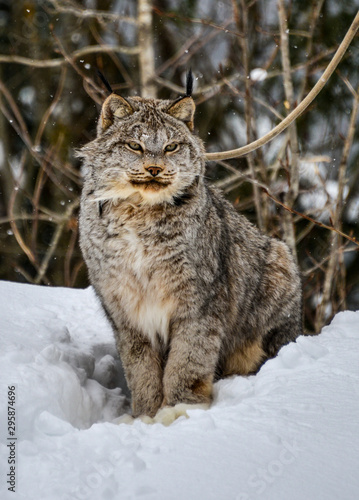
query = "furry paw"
x=169 y=414
x=165 y=416
x=124 y=419
x=129 y=420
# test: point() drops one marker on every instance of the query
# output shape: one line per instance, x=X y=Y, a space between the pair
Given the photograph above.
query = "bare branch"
x=304 y=216
x=236 y=153
x=197 y=21
x=293 y=170
x=335 y=242
x=53 y=63
x=248 y=108
x=90 y=13
x=316 y=9
x=24 y=247
x=55 y=240
x=146 y=57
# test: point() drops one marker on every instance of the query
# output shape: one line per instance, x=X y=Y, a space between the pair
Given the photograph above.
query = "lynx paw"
x=169 y=414
x=128 y=419
x=165 y=416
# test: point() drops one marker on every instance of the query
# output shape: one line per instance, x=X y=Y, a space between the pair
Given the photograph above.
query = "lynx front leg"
x=143 y=369
x=190 y=368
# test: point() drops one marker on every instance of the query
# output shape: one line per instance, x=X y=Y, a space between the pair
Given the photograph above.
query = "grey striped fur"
x=193 y=290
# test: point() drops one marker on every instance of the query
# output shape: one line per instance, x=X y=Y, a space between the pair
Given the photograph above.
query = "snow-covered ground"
x=291 y=432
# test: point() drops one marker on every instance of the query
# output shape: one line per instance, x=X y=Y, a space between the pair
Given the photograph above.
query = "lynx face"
x=151 y=156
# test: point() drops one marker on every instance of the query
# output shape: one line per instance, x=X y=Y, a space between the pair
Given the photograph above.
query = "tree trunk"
x=147 y=53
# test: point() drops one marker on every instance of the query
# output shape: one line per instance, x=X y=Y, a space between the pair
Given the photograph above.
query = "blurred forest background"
x=253 y=61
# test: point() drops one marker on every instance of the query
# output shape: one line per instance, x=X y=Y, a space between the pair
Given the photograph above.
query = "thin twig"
x=54 y=241
x=248 y=110
x=27 y=251
x=304 y=216
x=90 y=13
x=335 y=242
x=204 y=22
x=293 y=170
x=317 y=7
x=53 y=63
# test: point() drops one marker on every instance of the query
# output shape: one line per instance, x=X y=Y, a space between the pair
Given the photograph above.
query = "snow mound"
x=290 y=432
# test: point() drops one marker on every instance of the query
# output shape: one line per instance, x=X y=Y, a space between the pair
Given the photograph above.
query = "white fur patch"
x=146 y=305
x=123 y=190
x=153 y=319
x=156 y=197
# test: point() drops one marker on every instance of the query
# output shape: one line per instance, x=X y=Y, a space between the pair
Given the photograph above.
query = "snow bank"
x=290 y=432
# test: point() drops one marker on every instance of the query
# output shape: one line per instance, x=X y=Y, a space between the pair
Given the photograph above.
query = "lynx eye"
x=135 y=146
x=171 y=147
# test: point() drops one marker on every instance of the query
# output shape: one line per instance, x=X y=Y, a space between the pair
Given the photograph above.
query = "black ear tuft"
x=189 y=83
x=105 y=81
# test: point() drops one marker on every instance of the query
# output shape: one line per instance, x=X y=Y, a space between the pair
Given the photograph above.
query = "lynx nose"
x=154 y=170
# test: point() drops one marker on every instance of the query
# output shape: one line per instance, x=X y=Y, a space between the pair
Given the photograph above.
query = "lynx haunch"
x=193 y=290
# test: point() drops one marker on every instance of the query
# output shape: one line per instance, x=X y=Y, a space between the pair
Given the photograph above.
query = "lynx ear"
x=183 y=109
x=114 y=105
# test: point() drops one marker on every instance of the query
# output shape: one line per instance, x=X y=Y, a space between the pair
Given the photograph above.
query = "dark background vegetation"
x=50 y=97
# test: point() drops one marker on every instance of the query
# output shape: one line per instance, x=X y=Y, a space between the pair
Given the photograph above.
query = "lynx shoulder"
x=193 y=290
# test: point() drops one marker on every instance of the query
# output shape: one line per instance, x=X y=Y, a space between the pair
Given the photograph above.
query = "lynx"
x=193 y=290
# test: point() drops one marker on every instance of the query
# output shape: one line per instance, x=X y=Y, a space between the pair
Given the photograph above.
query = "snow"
x=321 y=201
x=27 y=96
x=352 y=214
x=258 y=74
x=289 y=432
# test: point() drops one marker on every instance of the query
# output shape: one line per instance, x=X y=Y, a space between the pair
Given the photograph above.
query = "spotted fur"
x=193 y=290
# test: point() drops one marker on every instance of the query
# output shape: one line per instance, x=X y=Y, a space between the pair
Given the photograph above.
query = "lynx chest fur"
x=136 y=271
x=193 y=290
